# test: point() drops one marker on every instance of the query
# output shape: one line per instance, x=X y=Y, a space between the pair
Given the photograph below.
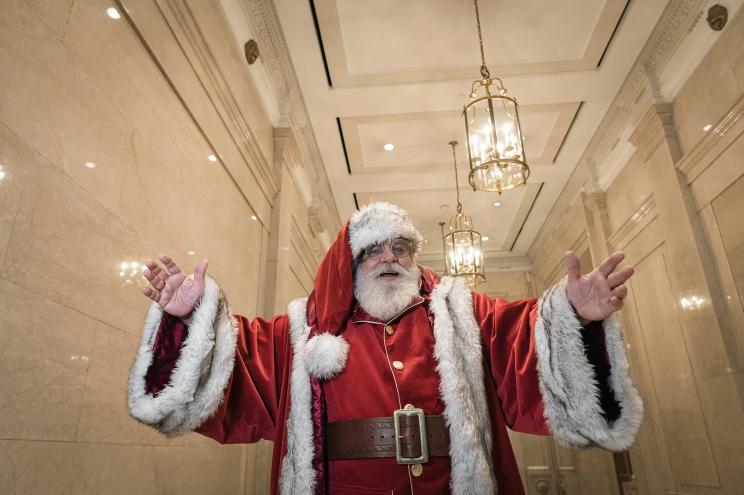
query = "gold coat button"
x=398 y=365
x=389 y=330
x=417 y=469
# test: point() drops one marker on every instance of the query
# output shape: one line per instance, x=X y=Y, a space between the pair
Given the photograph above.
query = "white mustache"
x=388 y=267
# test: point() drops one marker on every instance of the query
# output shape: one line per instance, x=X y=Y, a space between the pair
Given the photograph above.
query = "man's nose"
x=387 y=255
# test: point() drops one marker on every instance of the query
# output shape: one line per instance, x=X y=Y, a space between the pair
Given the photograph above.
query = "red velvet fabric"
x=332 y=298
x=172 y=332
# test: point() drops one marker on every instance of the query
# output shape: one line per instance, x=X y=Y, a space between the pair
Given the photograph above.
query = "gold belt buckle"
x=424 y=457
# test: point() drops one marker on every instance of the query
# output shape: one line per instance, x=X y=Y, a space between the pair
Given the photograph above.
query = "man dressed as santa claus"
x=388 y=378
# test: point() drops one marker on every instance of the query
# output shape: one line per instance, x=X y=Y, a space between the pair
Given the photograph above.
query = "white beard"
x=384 y=299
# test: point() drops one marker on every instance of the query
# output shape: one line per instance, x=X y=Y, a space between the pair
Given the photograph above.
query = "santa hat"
x=381 y=222
x=331 y=302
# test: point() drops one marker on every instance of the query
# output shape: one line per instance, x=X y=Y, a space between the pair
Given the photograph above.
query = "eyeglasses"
x=400 y=248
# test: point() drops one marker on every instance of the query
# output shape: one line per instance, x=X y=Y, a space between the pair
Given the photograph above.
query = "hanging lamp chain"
x=483 y=69
x=457 y=181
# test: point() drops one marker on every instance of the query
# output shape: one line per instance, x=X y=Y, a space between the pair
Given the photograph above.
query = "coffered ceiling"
x=379 y=72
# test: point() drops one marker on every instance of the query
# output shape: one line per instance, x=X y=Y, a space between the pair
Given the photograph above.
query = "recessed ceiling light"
x=497 y=204
x=191 y=252
x=708 y=127
x=113 y=13
x=389 y=147
x=254 y=217
x=212 y=158
x=90 y=164
x=484 y=238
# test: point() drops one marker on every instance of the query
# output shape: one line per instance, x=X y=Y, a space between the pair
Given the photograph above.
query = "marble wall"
x=675 y=209
x=106 y=131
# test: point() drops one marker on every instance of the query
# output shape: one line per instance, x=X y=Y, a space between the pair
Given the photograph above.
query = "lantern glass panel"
x=463 y=252
x=495 y=148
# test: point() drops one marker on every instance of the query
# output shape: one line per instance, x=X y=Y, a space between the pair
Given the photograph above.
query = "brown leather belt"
x=375 y=437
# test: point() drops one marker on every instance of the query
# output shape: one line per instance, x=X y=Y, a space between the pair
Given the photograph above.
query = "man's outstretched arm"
x=559 y=363
x=199 y=367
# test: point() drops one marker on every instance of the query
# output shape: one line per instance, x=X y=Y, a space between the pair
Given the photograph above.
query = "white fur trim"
x=567 y=383
x=297 y=475
x=325 y=355
x=380 y=222
x=458 y=351
x=201 y=372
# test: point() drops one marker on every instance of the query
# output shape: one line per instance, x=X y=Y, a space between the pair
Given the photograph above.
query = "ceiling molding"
x=339 y=52
x=275 y=55
x=421 y=143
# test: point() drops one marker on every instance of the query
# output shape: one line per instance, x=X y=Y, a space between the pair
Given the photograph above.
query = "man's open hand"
x=175 y=291
x=597 y=295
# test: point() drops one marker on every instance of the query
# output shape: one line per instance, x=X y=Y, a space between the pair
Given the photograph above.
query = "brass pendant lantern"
x=463 y=256
x=494 y=134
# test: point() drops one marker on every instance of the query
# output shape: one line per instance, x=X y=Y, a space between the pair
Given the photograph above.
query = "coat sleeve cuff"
x=202 y=371
x=570 y=391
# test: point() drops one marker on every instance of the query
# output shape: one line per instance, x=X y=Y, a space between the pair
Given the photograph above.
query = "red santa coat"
x=511 y=359
x=257 y=398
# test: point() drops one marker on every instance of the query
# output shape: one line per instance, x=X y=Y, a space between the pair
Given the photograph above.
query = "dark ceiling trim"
x=526 y=217
x=320 y=43
x=614 y=31
x=568 y=131
x=343 y=144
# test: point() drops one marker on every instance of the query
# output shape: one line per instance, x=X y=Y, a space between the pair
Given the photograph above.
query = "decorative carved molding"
x=569 y=208
x=655 y=125
x=595 y=202
x=186 y=29
x=633 y=98
x=307 y=256
x=635 y=224
x=286 y=150
x=276 y=58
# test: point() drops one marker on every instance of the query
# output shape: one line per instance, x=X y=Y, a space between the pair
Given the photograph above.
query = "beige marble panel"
x=197 y=471
x=46 y=352
x=63 y=239
x=12 y=172
x=676 y=393
x=31 y=468
x=34 y=467
x=549 y=266
x=65 y=247
x=54 y=13
x=725 y=417
x=117 y=470
x=650 y=462
x=716 y=84
x=506 y=285
x=627 y=192
x=724 y=170
x=58 y=109
x=595 y=471
x=516 y=443
x=728 y=208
